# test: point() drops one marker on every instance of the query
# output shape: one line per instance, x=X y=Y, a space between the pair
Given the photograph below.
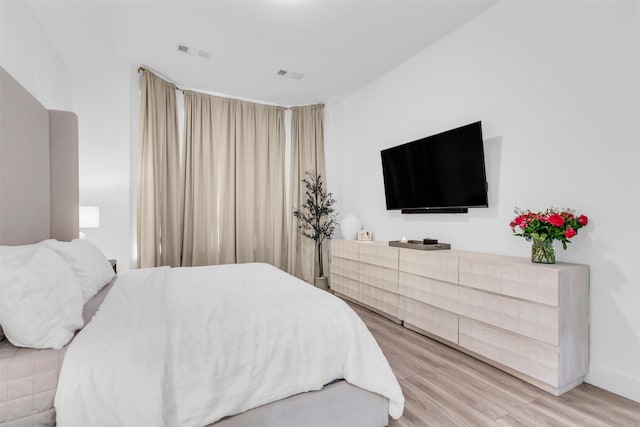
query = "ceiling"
x=339 y=46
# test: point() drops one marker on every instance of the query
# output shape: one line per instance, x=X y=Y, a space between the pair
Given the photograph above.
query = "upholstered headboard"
x=38 y=168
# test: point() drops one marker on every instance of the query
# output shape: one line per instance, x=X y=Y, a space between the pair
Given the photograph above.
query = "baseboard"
x=615 y=382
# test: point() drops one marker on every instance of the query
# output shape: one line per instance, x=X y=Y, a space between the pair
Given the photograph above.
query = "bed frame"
x=39 y=200
x=38 y=168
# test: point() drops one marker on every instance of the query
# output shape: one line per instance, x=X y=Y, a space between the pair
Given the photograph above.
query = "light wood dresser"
x=530 y=320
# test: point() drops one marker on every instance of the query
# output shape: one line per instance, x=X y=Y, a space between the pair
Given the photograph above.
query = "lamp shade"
x=89 y=217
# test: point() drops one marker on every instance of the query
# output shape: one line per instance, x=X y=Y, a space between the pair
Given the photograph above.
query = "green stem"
x=542 y=252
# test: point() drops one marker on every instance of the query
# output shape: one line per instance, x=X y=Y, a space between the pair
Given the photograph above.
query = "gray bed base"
x=337 y=405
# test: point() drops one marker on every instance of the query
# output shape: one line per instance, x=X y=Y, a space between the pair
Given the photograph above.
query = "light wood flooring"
x=444 y=387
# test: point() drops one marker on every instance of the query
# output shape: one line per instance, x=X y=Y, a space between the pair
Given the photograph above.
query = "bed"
x=29 y=377
x=32 y=138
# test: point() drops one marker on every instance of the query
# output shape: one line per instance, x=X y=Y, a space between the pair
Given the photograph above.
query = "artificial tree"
x=316 y=215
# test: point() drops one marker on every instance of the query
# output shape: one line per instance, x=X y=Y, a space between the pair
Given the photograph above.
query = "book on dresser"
x=530 y=320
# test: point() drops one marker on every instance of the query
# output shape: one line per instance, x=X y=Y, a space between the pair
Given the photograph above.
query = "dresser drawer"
x=527 y=318
x=433 y=292
x=430 y=319
x=531 y=357
x=381 y=300
x=345 y=286
x=349 y=249
x=380 y=277
x=346 y=268
x=439 y=265
x=379 y=254
x=516 y=279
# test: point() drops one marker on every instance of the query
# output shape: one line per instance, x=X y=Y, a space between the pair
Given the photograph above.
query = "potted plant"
x=542 y=228
x=316 y=219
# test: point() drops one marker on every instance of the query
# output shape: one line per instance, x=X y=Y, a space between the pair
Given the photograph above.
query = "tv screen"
x=440 y=171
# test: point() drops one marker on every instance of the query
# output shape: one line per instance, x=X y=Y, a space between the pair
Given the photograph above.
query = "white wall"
x=28 y=55
x=333 y=154
x=106 y=101
x=103 y=94
x=557 y=88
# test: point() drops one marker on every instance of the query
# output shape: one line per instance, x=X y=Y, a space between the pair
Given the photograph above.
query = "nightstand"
x=114 y=265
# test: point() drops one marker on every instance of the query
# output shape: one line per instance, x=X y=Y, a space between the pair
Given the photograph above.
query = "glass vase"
x=542 y=252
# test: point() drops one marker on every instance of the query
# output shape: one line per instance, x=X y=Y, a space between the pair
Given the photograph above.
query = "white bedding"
x=40 y=298
x=189 y=346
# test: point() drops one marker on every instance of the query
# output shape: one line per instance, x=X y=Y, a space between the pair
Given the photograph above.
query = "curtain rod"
x=143 y=68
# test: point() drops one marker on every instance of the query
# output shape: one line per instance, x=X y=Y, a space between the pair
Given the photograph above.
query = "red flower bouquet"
x=544 y=227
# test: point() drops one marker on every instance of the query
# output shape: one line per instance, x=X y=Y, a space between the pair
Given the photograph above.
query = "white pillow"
x=40 y=300
x=15 y=254
x=89 y=264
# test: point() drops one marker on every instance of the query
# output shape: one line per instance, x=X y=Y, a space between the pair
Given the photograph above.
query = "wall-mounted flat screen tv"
x=439 y=173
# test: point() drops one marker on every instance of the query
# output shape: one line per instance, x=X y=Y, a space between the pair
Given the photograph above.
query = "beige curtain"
x=307 y=154
x=234 y=189
x=159 y=216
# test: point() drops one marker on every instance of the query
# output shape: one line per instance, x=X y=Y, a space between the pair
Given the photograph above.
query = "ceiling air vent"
x=290 y=74
x=194 y=51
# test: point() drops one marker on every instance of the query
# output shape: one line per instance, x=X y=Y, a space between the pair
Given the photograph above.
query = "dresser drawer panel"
x=379 y=299
x=345 y=286
x=533 y=283
x=345 y=267
x=380 y=277
x=548 y=283
x=528 y=356
x=533 y=320
x=379 y=254
x=429 y=319
x=349 y=249
x=433 y=292
x=439 y=265
x=481 y=306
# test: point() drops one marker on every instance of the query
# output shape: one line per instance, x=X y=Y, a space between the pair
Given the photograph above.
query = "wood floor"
x=444 y=387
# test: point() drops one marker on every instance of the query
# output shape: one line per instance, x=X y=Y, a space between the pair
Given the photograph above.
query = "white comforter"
x=188 y=346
